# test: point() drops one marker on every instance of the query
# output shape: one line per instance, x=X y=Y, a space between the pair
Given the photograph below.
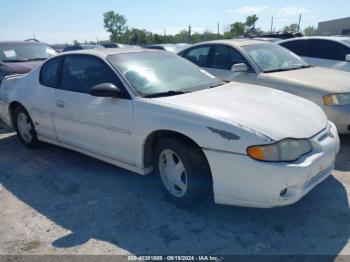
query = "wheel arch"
x=152 y=139
x=12 y=106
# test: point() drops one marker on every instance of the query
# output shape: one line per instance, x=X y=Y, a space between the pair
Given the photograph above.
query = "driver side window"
x=80 y=73
x=224 y=57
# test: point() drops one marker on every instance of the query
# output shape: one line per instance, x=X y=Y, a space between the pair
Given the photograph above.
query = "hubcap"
x=173 y=173
x=24 y=127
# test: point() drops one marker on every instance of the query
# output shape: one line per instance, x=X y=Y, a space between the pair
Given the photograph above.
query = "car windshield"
x=25 y=52
x=272 y=58
x=152 y=73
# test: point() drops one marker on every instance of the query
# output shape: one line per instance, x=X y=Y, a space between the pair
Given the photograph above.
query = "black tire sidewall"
x=34 y=142
x=197 y=170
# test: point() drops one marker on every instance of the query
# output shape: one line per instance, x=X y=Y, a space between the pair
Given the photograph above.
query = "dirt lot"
x=55 y=201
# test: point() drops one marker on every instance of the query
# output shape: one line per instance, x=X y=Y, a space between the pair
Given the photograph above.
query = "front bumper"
x=241 y=181
x=340 y=116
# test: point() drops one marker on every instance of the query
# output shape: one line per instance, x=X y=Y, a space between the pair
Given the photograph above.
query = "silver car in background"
x=173 y=48
x=262 y=63
x=332 y=52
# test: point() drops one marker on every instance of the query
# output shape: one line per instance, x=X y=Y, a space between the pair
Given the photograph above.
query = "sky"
x=63 y=21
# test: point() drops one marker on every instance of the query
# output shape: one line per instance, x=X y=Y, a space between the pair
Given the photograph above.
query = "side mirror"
x=106 y=90
x=347 y=58
x=239 y=68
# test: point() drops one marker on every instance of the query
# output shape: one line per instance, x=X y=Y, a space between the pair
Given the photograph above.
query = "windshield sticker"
x=50 y=51
x=206 y=73
x=10 y=53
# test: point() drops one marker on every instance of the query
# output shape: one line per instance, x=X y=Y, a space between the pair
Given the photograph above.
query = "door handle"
x=60 y=104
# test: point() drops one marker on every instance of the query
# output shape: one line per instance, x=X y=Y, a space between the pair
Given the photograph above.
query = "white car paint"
x=328 y=63
x=222 y=121
x=310 y=83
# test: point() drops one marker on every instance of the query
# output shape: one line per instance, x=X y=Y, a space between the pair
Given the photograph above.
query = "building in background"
x=335 y=27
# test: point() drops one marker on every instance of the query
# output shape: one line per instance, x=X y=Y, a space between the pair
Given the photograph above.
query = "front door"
x=222 y=59
x=98 y=125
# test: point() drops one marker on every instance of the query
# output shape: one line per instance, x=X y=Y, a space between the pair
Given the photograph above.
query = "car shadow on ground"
x=95 y=200
x=343 y=159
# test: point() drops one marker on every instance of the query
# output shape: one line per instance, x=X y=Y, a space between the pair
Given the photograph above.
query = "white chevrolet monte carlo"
x=147 y=110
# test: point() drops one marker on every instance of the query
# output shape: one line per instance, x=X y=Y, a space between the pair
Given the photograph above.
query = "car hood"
x=22 y=67
x=323 y=79
x=275 y=114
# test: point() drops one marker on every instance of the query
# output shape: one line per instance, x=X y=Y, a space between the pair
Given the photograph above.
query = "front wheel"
x=25 y=128
x=183 y=172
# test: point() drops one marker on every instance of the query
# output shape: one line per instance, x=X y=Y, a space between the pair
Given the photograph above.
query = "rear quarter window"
x=198 y=55
x=49 y=74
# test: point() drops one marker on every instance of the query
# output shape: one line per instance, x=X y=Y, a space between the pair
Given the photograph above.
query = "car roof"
x=163 y=45
x=332 y=38
x=267 y=38
x=238 y=42
x=104 y=52
x=21 y=42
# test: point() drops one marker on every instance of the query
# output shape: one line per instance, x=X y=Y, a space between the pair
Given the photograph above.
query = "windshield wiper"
x=217 y=85
x=167 y=93
x=278 y=70
x=23 y=60
x=14 y=61
x=36 y=59
x=307 y=66
x=287 y=69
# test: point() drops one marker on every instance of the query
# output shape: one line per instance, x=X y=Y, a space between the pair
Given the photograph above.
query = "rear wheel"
x=183 y=172
x=25 y=128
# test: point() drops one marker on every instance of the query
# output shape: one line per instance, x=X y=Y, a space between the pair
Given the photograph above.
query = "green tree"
x=205 y=36
x=115 y=24
x=237 y=29
x=250 y=23
x=241 y=29
x=291 y=28
x=156 y=38
x=310 y=31
x=181 y=37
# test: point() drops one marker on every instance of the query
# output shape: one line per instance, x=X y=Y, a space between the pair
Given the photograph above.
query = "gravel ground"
x=55 y=201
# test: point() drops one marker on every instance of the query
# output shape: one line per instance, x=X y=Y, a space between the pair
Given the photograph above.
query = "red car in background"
x=21 y=57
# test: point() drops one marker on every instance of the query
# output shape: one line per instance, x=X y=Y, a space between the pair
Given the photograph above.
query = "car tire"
x=25 y=128
x=183 y=172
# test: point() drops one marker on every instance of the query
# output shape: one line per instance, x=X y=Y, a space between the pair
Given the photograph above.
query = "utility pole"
x=299 y=23
x=189 y=34
x=218 y=29
x=272 y=24
x=164 y=32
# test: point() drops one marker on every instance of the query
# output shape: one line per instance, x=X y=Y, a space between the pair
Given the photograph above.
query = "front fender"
x=207 y=132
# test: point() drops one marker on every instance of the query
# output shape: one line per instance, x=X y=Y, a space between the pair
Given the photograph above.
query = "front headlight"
x=288 y=150
x=339 y=99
